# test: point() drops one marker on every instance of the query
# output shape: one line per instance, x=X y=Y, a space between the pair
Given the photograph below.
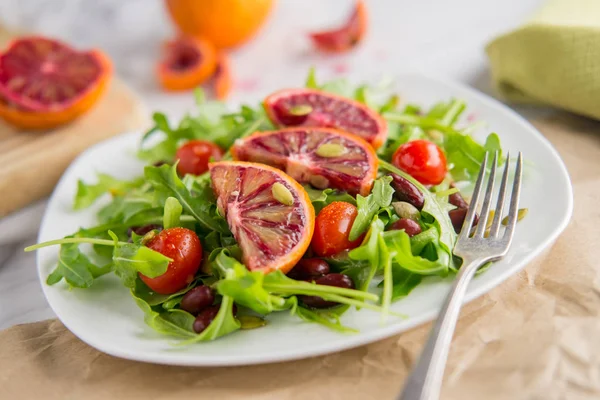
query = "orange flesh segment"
x=294 y=150
x=328 y=111
x=272 y=235
x=345 y=37
x=38 y=74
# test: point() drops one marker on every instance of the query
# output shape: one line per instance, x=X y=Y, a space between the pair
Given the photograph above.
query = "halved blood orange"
x=268 y=212
x=187 y=63
x=346 y=37
x=44 y=75
x=315 y=108
x=323 y=157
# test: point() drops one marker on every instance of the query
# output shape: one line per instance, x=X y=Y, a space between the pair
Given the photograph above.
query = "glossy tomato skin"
x=332 y=228
x=422 y=160
x=195 y=155
x=184 y=248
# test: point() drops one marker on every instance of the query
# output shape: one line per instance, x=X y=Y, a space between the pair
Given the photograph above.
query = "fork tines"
x=494 y=230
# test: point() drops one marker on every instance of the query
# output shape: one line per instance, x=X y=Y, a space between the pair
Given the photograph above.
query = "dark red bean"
x=406 y=191
x=457 y=217
x=338 y=280
x=160 y=163
x=309 y=268
x=456 y=199
x=142 y=230
x=204 y=319
x=197 y=299
x=411 y=227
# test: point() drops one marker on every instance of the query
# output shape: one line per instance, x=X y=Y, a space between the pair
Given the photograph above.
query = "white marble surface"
x=441 y=37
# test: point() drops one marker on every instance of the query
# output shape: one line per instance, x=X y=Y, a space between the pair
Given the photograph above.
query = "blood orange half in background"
x=268 y=212
x=315 y=108
x=323 y=157
x=44 y=75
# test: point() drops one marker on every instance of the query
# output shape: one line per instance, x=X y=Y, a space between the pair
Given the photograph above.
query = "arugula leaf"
x=322 y=198
x=404 y=282
x=202 y=206
x=370 y=206
x=246 y=287
x=130 y=259
x=74 y=266
x=398 y=242
x=223 y=324
x=328 y=318
x=363 y=274
x=87 y=194
x=172 y=215
x=311 y=79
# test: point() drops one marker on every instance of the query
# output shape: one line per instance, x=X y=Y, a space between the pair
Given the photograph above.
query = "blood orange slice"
x=345 y=37
x=43 y=75
x=323 y=157
x=315 y=108
x=187 y=62
x=222 y=79
x=269 y=214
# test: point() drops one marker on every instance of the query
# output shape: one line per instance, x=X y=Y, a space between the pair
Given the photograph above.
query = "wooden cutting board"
x=32 y=162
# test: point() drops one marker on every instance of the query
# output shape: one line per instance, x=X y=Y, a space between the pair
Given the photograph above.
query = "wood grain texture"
x=32 y=162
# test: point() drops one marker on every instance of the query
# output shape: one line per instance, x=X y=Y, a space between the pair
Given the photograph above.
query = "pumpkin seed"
x=406 y=210
x=148 y=237
x=329 y=150
x=282 y=194
x=251 y=322
x=300 y=110
x=520 y=215
x=319 y=181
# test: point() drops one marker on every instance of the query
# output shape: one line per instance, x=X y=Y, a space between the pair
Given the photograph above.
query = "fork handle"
x=425 y=381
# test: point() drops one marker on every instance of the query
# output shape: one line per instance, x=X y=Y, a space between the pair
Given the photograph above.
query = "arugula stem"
x=425 y=123
x=317 y=290
x=102 y=242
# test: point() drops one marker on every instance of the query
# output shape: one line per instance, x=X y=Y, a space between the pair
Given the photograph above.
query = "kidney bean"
x=142 y=230
x=204 y=319
x=408 y=192
x=160 y=163
x=410 y=226
x=338 y=280
x=457 y=217
x=309 y=268
x=457 y=200
x=197 y=299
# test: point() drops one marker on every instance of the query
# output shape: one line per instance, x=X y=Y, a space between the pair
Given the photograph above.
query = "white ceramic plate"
x=106 y=317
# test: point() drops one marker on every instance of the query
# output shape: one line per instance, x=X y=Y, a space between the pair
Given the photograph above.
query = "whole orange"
x=226 y=23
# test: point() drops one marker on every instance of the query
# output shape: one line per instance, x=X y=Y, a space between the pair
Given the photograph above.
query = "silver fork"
x=425 y=381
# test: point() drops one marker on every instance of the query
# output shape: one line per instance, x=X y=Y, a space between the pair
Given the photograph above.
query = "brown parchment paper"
x=537 y=336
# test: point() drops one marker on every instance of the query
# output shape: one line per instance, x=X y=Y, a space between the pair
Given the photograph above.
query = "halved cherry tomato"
x=184 y=248
x=332 y=228
x=422 y=160
x=195 y=155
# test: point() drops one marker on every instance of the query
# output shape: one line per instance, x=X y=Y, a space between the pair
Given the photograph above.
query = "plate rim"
x=350 y=342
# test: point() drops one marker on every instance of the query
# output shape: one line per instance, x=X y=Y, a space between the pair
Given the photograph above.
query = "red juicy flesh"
x=341 y=38
x=182 y=56
x=264 y=228
x=41 y=74
x=294 y=151
x=327 y=111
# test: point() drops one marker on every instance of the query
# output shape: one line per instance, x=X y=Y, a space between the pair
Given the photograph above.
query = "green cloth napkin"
x=553 y=59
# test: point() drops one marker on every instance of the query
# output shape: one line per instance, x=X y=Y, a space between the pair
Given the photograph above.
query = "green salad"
x=319 y=199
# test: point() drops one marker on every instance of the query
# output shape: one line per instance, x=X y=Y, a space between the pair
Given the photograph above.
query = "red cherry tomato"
x=195 y=155
x=184 y=248
x=422 y=160
x=332 y=228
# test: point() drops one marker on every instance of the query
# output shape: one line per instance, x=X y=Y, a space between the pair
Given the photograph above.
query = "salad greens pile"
x=385 y=267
